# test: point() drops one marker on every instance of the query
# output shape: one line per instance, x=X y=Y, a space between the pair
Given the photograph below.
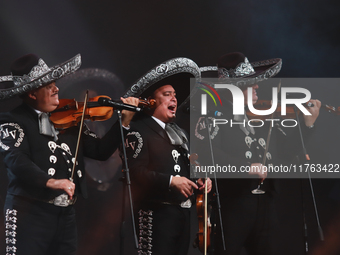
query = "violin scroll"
x=151 y=103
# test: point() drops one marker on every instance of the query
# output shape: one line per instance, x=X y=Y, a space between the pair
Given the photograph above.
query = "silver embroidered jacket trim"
x=145 y=232
x=11 y=219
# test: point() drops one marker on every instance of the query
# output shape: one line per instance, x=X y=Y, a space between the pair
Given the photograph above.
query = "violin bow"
x=79 y=136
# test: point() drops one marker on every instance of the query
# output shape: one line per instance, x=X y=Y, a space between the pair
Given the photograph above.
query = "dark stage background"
x=127 y=38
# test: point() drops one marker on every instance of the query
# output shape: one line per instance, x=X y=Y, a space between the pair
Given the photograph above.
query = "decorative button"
x=51 y=171
x=177 y=168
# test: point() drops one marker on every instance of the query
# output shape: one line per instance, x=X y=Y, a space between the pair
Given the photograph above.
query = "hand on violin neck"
x=183 y=185
x=201 y=184
x=128 y=115
x=314 y=110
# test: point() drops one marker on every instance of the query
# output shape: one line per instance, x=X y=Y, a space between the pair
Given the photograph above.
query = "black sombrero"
x=236 y=69
x=30 y=72
x=176 y=72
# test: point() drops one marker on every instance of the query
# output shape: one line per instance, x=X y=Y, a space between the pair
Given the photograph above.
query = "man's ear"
x=32 y=95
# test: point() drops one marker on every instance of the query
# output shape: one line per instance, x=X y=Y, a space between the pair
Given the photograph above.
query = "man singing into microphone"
x=157 y=151
x=248 y=215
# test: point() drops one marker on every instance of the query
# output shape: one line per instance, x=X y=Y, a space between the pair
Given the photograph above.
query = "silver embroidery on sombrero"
x=242 y=69
x=208 y=68
x=11 y=220
x=36 y=72
x=271 y=71
x=145 y=232
x=40 y=75
x=170 y=67
x=6 y=78
x=242 y=80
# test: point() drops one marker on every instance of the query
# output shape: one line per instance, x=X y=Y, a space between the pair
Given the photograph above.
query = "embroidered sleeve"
x=15 y=149
x=11 y=136
x=138 y=156
x=134 y=143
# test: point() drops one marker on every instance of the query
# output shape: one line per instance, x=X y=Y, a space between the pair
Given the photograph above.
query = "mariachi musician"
x=39 y=212
x=248 y=213
x=157 y=151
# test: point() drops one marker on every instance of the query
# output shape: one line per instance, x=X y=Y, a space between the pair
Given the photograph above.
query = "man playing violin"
x=248 y=214
x=157 y=151
x=39 y=212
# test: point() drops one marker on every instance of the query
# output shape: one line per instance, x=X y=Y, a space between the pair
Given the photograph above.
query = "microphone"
x=120 y=106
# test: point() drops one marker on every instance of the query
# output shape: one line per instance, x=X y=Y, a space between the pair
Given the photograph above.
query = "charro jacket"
x=32 y=158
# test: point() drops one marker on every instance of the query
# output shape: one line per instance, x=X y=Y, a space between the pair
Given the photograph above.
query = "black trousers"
x=38 y=228
x=248 y=222
x=164 y=230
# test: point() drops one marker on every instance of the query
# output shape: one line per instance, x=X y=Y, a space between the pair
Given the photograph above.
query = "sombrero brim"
x=176 y=72
x=263 y=70
x=26 y=83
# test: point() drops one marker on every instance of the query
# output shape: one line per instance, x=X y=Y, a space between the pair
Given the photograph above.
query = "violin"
x=290 y=111
x=69 y=111
x=204 y=225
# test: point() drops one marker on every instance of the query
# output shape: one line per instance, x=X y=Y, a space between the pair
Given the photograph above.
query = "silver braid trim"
x=208 y=68
x=40 y=75
x=145 y=232
x=36 y=72
x=166 y=69
x=242 y=69
x=6 y=78
x=248 y=81
x=11 y=219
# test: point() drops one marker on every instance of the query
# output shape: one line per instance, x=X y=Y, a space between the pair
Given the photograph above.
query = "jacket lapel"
x=149 y=121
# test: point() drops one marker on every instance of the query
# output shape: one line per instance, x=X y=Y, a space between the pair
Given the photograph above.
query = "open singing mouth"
x=172 y=108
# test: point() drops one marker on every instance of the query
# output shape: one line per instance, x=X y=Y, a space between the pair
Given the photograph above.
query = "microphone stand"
x=312 y=191
x=126 y=185
x=216 y=186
